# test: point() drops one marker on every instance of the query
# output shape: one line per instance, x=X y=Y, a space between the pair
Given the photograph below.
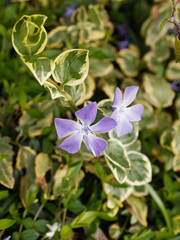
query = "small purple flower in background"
x=123 y=35
x=123 y=114
x=86 y=115
x=175 y=85
x=70 y=10
x=122 y=29
x=123 y=44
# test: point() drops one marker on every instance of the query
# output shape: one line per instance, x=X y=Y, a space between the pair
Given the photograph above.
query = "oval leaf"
x=115 y=152
x=140 y=172
x=71 y=67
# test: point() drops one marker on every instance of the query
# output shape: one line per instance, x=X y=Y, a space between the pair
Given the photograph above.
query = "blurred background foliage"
x=42 y=185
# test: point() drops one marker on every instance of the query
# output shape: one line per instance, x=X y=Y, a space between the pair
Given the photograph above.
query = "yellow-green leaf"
x=138 y=208
x=6 y=167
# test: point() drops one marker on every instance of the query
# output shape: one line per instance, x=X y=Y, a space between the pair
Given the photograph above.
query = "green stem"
x=161 y=206
x=38 y=212
x=21 y=226
x=61 y=89
x=65 y=210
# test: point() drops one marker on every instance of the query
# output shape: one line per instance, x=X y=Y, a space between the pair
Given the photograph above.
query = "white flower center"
x=121 y=109
x=85 y=130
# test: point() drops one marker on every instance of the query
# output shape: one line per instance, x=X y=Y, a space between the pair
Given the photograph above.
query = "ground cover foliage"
x=57 y=57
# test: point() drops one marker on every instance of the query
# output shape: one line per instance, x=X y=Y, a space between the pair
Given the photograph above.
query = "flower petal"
x=87 y=114
x=64 y=127
x=117 y=98
x=134 y=113
x=115 y=115
x=104 y=125
x=123 y=127
x=129 y=95
x=72 y=144
x=95 y=144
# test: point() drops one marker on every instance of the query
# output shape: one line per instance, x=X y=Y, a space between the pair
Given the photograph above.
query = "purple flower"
x=122 y=29
x=175 y=85
x=86 y=115
x=123 y=44
x=70 y=10
x=122 y=114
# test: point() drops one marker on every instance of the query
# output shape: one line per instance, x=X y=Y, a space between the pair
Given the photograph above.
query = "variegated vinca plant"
x=122 y=168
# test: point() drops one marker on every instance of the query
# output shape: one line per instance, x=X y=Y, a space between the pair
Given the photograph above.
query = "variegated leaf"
x=138 y=208
x=71 y=67
x=29 y=37
x=41 y=67
x=116 y=153
x=140 y=172
x=155 y=88
x=118 y=172
x=118 y=191
x=128 y=61
x=6 y=165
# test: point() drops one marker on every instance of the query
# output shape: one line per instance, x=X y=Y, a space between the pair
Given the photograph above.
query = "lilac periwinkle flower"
x=83 y=130
x=122 y=29
x=123 y=44
x=70 y=10
x=123 y=114
x=175 y=85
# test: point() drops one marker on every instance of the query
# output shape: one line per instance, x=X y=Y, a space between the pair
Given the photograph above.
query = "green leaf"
x=40 y=225
x=28 y=35
x=94 y=15
x=74 y=168
x=155 y=87
x=128 y=61
x=29 y=234
x=3 y=193
x=6 y=223
x=140 y=172
x=173 y=71
x=66 y=232
x=115 y=152
x=177 y=48
x=6 y=168
x=163 y=23
x=84 y=219
x=118 y=172
x=71 y=67
x=57 y=37
x=35 y=113
x=41 y=67
x=28 y=223
x=160 y=47
x=99 y=68
x=22 y=98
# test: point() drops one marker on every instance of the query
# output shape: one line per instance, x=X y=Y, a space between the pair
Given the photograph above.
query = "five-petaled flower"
x=122 y=114
x=86 y=115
